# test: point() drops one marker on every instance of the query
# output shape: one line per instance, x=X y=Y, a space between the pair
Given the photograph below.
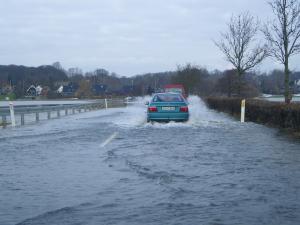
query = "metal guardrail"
x=66 y=109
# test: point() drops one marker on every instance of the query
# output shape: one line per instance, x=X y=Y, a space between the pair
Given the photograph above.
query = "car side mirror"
x=147 y=103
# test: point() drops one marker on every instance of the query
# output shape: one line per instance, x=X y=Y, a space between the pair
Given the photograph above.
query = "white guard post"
x=106 y=106
x=243 y=106
x=12 y=114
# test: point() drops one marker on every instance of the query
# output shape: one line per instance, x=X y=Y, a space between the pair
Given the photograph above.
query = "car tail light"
x=152 y=109
x=184 y=109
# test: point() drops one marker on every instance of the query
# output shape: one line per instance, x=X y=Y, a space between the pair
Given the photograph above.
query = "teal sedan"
x=165 y=107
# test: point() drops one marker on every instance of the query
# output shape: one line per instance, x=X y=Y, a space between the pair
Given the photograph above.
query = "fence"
x=10 y=114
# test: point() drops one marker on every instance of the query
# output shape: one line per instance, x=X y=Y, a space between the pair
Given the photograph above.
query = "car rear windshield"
x=168 y=98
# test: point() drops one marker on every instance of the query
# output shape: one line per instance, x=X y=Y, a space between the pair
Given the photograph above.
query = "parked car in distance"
x=165 y=107
x=175 y=88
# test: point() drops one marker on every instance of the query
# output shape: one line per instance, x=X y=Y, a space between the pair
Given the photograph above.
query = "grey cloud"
x=125 y=36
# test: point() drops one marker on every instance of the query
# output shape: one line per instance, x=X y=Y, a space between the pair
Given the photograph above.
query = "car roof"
x=166 y=93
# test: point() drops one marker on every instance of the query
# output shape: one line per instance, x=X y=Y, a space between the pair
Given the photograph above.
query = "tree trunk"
x=287 y=95
x=239 y=82
x=287 y=91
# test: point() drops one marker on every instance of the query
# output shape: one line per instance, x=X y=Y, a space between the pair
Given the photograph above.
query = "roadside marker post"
x=243 y=107
x=12 y=114
x=106 y=106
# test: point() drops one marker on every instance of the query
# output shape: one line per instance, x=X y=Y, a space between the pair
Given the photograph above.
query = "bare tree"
x=57 y=65
x=240 y=46
x=283 y=36
x=191 y=77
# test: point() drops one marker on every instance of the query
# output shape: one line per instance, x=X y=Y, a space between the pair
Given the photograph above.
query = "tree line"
x=196 y=80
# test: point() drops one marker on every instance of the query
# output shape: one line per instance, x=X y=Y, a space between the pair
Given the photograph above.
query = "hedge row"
x=277 y=114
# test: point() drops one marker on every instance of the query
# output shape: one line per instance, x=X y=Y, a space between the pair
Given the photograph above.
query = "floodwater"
x=110 y=167
x=274 y=98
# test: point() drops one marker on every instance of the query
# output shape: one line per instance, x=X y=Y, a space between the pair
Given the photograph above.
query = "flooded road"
x=111 y=167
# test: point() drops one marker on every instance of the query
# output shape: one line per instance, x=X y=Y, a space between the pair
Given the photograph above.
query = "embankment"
x=281 y=115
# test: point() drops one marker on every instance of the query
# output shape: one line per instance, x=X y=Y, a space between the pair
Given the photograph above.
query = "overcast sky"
x=125 y=36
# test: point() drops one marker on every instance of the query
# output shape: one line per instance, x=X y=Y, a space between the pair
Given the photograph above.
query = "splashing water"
x=135 y=115
x=200 y=115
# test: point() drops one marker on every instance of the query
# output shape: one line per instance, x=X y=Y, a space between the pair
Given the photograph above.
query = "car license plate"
x=168 y=108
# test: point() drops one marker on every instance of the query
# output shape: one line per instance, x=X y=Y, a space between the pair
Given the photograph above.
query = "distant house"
x=31 y=91
x=34 y=91
x=60 y=89
x=39 y=90
x=99 y=89
x=68 y=90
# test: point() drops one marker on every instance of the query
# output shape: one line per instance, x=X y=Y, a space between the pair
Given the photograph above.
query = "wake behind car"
x=165 y=107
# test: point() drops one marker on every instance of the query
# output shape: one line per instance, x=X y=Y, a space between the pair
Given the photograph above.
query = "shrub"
x=277 y=114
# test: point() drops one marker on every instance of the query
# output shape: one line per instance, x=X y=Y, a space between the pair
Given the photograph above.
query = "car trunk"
x=168 y=107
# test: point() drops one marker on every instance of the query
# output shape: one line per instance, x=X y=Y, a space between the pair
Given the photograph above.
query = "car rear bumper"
x=166 y=117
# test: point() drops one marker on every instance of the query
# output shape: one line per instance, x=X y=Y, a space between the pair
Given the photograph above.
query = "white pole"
x=243 y=106
x=12 y=114
x=106 y=106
